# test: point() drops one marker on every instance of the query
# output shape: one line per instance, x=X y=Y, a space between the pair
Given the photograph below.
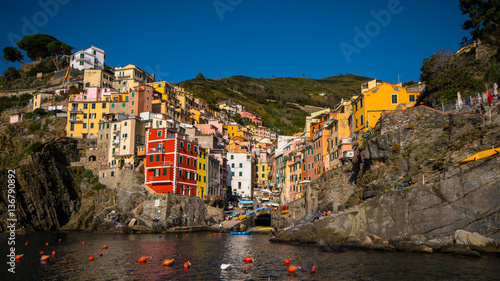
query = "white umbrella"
x=459 y=100
x=265 y=191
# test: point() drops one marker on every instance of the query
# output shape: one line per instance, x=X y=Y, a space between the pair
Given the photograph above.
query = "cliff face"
x=45 y=196
x=446 y=197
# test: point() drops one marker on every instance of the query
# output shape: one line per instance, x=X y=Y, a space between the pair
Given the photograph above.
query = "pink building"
x=95 y=94
x=250 y=115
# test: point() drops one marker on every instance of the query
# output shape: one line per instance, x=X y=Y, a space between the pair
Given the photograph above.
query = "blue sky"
x=221 y=38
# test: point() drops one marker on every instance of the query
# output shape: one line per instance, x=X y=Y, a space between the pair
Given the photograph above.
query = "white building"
x=91 y=58
x=240 y=173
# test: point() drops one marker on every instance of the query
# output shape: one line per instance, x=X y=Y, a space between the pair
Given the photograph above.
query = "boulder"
x=476 y=241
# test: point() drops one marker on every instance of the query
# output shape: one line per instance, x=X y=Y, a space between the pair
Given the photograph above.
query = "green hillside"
x=279 y=101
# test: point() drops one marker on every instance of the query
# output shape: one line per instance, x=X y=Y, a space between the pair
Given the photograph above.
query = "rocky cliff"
x=423 y=145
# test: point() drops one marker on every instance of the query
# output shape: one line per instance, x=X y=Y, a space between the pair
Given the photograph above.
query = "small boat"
x=225 y=266
x=241 y=232
x=481 y=155
x=168 y=262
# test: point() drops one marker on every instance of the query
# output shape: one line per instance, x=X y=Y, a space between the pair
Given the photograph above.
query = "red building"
x=252 y=116
x=171 y=162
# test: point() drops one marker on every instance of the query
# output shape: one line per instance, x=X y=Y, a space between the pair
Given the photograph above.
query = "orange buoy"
x=187 y=264
x=248 y=259
x=219 y=234
x=168 y=262
x=143 y=259
x=18 y=257
x=44 y=258
x=83 y=243
x=210 y=234
x=46 y=244
x=176 y=236
x=215 y=234
x=313 y=269
x=160 y=235
x=41 y=252
x=186 y=235
x=91 y=258
x=244 y=270
x=60 y=239
x=100 y=253
x=105 y=246
x=292 y=269
x=26 y=243
x=287 y=261
x=53 y=253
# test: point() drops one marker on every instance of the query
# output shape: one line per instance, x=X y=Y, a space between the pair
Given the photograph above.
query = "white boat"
x=225 y=266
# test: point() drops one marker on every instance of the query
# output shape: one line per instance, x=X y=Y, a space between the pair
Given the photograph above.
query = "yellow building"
x=129 y=77
x=85 y=112
x=384 y=97
x=261 y=170
x=236 y=130
x=167 y=91
x=98 y=78
x=202 y=173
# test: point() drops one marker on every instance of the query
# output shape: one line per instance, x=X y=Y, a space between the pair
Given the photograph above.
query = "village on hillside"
x=182 y=146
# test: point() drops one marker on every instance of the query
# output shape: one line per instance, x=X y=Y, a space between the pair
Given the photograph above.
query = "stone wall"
x=422 y=122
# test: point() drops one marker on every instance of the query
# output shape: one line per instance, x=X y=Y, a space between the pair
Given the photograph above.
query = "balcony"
x=75 y=120
x=156 y=150
x=75 y=110
x=161 y=164
x=116 y=142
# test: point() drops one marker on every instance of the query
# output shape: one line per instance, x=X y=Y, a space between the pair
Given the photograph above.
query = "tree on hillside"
x=409 y=83
x=445 y=75
x=36 y=46
x=484 y=19
x=12 y=54
x=58 y=48
x=10 y=74
x=199 y=76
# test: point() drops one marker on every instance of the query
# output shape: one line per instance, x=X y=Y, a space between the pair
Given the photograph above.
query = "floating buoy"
x=225 y=266
x=60 y=239
x=168 y=262
x=187 y=264
x=18 y=257
x=53 y=253
x=244 y=270
x=100 y=253
x=219 y=234
x=91 y=258
x=313 y=269
x=44 y=258
x=26 y=243
x=210 y=234
x=46 y=244
x=292 y=269
x=287 y=261
x=83 y=243
x=41 y=252
x=143 y=259
x=215 y=234
x=248 y=259
x=176 y=236
x=160 y=235
x=186 y=235
x=105 y=246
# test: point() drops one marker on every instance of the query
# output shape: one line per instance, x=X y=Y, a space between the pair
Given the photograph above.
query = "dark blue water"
x=207 y=253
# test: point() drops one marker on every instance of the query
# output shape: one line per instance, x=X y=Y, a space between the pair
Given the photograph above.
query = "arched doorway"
x=263 y=220
x=92 y=158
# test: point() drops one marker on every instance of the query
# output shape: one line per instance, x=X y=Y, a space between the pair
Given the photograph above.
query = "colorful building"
x=381 y=97
x=129 y=77
x=171 y=164
x=202 y=173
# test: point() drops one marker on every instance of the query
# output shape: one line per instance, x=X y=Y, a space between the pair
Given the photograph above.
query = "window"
x=93 y=105
x=104 y=105
x=232 y=165
x=72 y=127
x=157 y=157
x=159 y=133
x=394 y=99
x=84 y=125
x=232 y=157
x=133 y=94
x=150 y=158
x=188 y=161
x=85 y=116
x=112 y=173
x=125 y=124
x=361 y=102
x=85 y=106
x=164 y=171
x=112 y=105
x=263 y=168
x=362 y=120
x=92 y=115
x=132 y=111
x=241 y=165
x=189 y=147
x=92 y=125
x=412 y=98
x=263 y=175
x=123 y=104
x=157 y=172
x=133 y=103
x=241 y=174
x=232 y=174
x=180 y=159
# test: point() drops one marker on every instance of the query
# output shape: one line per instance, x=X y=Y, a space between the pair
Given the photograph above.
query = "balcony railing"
x=156 y=150
x=75 y=120
x=75 y=110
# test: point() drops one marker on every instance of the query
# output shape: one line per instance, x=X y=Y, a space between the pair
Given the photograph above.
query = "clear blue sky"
x=221 y=38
